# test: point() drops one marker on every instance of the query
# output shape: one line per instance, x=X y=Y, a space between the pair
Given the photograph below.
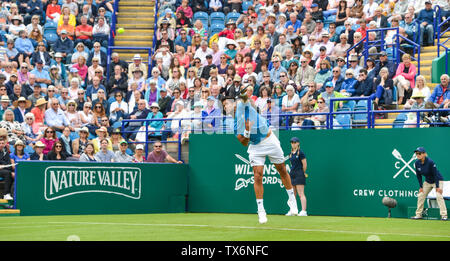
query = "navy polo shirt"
x=429 y=171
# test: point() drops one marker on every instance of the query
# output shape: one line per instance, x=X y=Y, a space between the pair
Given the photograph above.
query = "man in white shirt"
x=369 y=9
x=202 y=52
x=326 y=42
x=282 y=46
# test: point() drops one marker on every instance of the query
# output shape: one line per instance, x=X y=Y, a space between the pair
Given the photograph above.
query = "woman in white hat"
x=417 y=102
x=31 y=135
x=16 y=26
x=38 y=153
x=19 y=153
x=102 y=133
x=154 y=127
x=195 y=124
x=178 y=113
x=137 y=78
x=22 y=106
x=81 y=51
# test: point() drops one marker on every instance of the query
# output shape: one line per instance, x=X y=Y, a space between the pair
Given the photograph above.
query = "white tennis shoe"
x=293 y=210
x=262 y=217
x=303 y=213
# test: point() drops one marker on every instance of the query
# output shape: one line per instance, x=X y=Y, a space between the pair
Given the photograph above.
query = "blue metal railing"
x=377 y=43
x=439 y=34
x=112 y=31
x=284 y=118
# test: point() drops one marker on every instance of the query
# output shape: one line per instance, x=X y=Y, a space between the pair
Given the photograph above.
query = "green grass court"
x=218 y=227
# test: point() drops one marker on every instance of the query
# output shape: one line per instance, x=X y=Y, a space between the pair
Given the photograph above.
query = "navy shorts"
x=297 y=179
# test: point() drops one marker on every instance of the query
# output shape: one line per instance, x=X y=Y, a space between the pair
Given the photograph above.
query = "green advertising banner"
x=350 y=171
x=53 y=188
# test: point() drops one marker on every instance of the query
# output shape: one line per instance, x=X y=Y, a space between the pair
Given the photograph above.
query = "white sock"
x=291 y=194
x=260 y=204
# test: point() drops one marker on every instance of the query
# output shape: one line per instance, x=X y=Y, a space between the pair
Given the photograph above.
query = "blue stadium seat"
x=216 y=17
x=340 y=29
x=355 y=26
x=29 y=150
x=245 y=5
x=349 y=104
x=202 y=16
x=344 y=120
x=51 y=38
x=360 y=118
x=400 y=120
x=74 y=135
x=216 y=28
x=362 y=103
x=233 y=16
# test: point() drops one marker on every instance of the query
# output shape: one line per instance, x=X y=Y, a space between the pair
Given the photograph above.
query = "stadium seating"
x=216 y=28
x=217 y=17
x=233 y=16
x=246 y=4
x=202 y=16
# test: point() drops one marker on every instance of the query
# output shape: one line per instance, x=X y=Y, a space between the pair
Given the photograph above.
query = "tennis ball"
x=120 y=30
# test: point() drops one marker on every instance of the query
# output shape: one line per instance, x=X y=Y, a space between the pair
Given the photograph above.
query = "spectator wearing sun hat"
x=137 y=63
x=38 y=152
x=22 y=107
x=152 y=127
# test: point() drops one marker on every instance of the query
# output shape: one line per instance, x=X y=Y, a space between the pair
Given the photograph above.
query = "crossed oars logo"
x=398 y=156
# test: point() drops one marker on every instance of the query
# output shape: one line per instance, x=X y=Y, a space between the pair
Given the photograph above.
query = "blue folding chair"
x=233 y=16
x=399 y=122
x=202 y=16
x=344 y=120
x=245 y=5
x=216 y=28
x=217 y=17
x=51 y=38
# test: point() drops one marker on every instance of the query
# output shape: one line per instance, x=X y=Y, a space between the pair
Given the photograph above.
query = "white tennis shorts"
x=270 y=147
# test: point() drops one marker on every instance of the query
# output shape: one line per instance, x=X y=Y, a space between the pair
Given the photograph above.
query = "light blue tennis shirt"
x=260 y=127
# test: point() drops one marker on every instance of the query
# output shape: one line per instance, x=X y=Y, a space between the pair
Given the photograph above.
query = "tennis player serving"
x=253 y=130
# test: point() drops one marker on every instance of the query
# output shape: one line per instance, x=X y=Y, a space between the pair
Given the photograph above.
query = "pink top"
x=82 y=71
x=187 y=11
x=408 y=76
x=48 y=145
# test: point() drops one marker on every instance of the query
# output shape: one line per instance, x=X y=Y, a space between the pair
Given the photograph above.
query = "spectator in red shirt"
x=229 y=31
x=160 y=155
x=362 y=27
x=83 y=33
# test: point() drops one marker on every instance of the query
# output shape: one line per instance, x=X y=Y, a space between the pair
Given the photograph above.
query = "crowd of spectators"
x=291 y=55
x=57 y=102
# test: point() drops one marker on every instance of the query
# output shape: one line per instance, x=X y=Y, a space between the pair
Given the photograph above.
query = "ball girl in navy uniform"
x=298 y=172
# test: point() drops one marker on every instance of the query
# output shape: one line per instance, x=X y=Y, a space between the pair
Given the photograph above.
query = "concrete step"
x=145 y=43
x=133 y=20
x=143 y=26
x=136 y=14
x=136 y=3
x=138 y=8
x=384 y=121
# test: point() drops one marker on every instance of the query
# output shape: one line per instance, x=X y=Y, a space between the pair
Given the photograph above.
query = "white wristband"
x=246 y=134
